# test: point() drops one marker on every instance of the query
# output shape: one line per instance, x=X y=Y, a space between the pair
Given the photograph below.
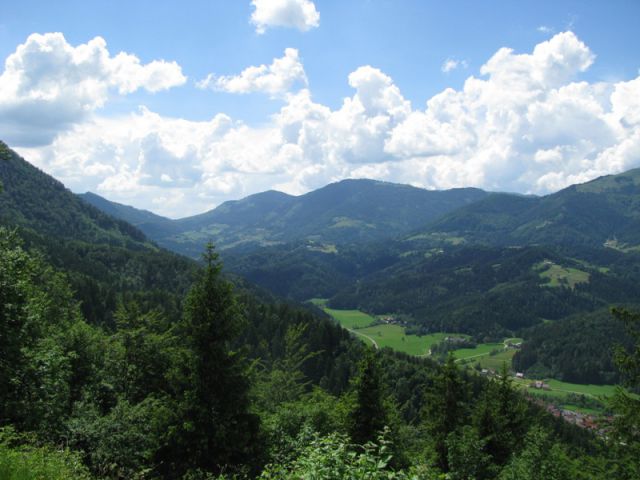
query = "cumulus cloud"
x=524 y=119
x=48 y=85
x=526 y=123
x=276 y=79
x=451 y=64
x=300 y=14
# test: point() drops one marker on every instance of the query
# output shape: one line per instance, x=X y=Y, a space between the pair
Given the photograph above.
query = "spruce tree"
x=369 y=415
x=215 y=431
x=445 y=410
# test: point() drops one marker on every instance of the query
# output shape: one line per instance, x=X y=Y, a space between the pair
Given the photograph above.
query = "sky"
x=176 y=107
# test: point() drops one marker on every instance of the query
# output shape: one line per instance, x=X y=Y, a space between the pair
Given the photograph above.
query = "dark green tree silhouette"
x=369 y=415
x=445 y=410
x=216 y=432
x=626 y=432
x=500 y=418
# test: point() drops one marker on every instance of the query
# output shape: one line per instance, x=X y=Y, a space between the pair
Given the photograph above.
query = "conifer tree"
x=500 y=418
x=216 y=432
x=626 y=432
x=369 y=415
x=445 y=409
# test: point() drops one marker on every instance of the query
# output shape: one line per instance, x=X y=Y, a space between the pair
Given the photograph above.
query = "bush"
x=20 y=459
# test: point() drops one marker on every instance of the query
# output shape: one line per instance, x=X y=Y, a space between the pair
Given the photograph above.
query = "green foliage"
x=445 y=410
x=540 y=458
x=38 y=322
x=215 y=430
x=578 y=349
x=626 y=432
x=369 y=415
x=466 y=455
x=500 y=417
x=21 y=459
x=334 y=457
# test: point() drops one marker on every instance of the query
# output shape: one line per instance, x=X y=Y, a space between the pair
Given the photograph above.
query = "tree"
x=369 y=416
x=215 y=431
x=500 y=418
x=445 y=410
x=626 y=432
x=541 y=458
x=466 y=456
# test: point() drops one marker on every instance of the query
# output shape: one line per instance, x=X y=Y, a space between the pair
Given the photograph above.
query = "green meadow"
x=482 y=349
x=382 y=334
x=393 y=336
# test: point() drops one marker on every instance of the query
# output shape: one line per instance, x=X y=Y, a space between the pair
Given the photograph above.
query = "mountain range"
x=350 y=211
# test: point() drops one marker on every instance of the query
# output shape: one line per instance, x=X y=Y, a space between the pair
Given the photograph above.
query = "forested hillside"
x=603 y=211
x=104 y=257
x=494 y=291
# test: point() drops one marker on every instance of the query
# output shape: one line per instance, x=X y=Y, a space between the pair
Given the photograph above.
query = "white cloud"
x=528 y=123
x=545 y=29
x=276 y=79
x=300 y=14
x=451 y=64
x=48 y=85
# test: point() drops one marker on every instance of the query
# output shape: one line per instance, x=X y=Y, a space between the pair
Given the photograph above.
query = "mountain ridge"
x=349 y=211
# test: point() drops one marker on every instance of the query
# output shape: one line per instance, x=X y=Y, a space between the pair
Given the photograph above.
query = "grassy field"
x=480 y=350
x=559 y=275
x=393 y=336
x=382 y=335
x=495 y=362
x=560 y=389
x=353 y=319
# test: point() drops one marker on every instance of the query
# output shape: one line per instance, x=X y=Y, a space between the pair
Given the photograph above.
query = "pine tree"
x=500 y=418
x=626 y=431
x=216 y=432
x=445 y=410
x=369 y=415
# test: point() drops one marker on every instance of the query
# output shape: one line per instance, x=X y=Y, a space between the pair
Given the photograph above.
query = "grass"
x=393 y=336
x=383 y=335
x=558 y=275
x=495 y=362
x=559 y=389
x=480 y=350
x=353 y=319
x=588 y=390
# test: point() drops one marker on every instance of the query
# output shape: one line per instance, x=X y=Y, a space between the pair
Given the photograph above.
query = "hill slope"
x=104 y=256
x=603 y=211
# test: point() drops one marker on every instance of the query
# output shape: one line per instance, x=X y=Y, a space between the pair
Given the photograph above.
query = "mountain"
x=103 y=256
x=129 y=214
x=605 y=211
x=350 y=211
x=36 y=201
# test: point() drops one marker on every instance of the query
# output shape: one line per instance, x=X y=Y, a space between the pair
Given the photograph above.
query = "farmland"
x=381 y=334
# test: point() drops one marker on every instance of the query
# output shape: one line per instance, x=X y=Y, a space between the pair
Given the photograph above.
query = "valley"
x=484 y=358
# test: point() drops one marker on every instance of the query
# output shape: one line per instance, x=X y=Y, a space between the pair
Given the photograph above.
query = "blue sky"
x=347 y=98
